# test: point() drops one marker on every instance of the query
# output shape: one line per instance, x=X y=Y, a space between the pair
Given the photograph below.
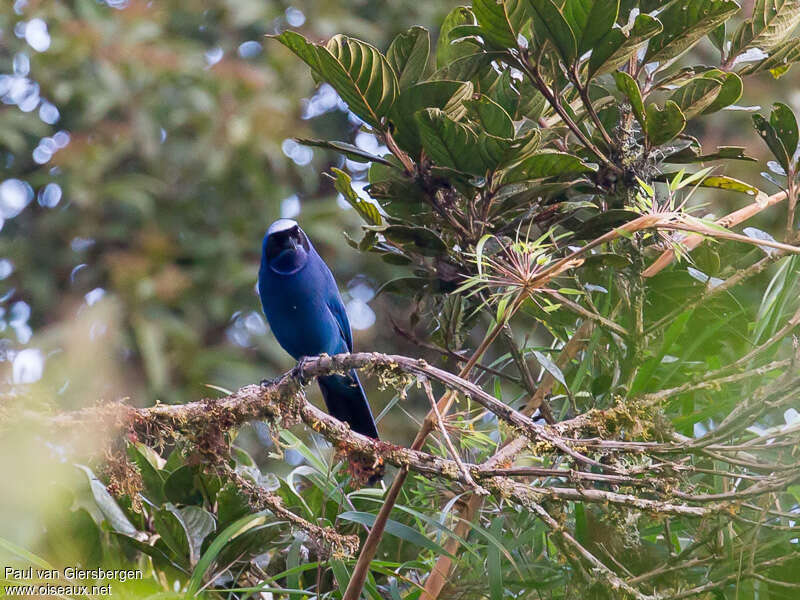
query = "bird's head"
x=286 y=247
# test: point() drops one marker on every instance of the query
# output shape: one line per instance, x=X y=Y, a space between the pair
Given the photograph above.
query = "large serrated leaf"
x=356 y=70
x=408 y=54
x=685 y=23
x=770 y=23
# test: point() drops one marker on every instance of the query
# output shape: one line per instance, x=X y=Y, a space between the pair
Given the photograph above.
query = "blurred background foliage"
x=145 y=147
x=150 y=145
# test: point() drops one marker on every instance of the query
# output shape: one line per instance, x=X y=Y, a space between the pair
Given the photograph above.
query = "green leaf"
x=404 y=532
x=696 y=95
x=198 y=524
x=152 y=479
x=770 y=23
x=685 y=23
x=449 y=144
x=231 y=505
x=170 y=528
x=209 y=556
x=501 y=22
x=494 y=563
x=448 y=96
x=628 y=86
x=24 y=554
x=551 y=367
x=424 y=240
x=778 y=61
x=107 y=505
x=730 y=92
x=649 y=368
x=618 y=45
x=784 y=123
x=468 y=67
x=446 y=50
x=691 y=154
x=546 y=164
x=352 y=152
x=664 y=125
x=717 y=37
x=773 y=141
x=356 y=70
x=552 y=21
x=590 y=20
x=499 y=152
x=490 y=116
x=367 y=210
x=721 y=182
x=180 y=488
x=408 y=55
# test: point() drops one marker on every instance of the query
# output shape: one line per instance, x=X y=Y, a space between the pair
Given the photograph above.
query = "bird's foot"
x=269 y=382
x=299 y=371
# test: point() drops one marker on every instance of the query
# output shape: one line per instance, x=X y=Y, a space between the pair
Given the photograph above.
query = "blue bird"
x=307 y=316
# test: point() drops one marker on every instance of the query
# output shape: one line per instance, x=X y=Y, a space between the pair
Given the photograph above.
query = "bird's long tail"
x=346 y=401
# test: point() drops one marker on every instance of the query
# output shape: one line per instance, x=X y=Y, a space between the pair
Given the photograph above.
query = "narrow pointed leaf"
x=628 y=86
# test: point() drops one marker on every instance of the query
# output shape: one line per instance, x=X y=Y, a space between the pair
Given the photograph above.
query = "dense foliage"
x=542 y=183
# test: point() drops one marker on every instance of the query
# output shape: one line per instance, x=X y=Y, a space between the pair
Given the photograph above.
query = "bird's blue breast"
x=296 y=307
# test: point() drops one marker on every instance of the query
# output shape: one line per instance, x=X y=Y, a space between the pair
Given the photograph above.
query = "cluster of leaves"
x=563 y=122
x=173 y=171
x=532 y=130
x=513 y=122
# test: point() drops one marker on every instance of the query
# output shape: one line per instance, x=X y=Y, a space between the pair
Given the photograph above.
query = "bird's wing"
x=340 y=316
